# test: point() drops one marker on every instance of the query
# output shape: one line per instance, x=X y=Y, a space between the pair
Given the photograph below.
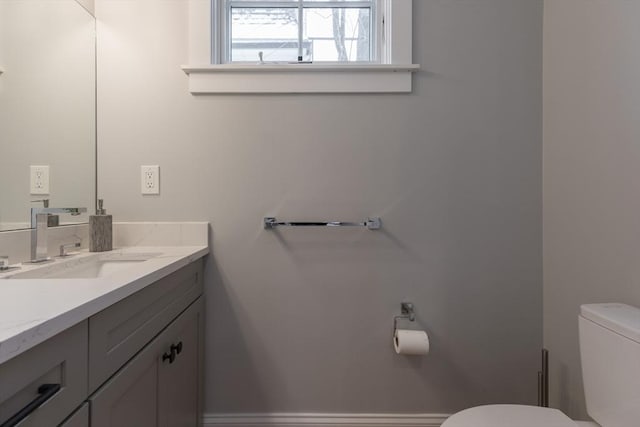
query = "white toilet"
x=610 y=353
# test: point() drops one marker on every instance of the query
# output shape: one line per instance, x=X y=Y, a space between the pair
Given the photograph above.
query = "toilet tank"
x=610 y=355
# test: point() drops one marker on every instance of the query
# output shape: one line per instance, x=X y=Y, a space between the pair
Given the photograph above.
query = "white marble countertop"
x=34 y=310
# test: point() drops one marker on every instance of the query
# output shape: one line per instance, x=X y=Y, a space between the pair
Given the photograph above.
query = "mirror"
x=47 y=109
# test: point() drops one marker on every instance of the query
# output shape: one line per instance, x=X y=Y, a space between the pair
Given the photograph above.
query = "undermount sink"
x=92 y=266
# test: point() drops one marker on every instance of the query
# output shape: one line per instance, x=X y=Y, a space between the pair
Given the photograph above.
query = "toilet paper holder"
x=406 y=312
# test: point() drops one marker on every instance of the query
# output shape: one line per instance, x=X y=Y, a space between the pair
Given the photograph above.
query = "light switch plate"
x=150 y=179
x=39 y=182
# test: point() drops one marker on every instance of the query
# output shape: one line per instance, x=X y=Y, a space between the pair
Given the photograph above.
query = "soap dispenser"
x=100 y=230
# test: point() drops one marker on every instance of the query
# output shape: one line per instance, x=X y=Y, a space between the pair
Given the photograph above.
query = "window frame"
x=392 y=74
x=221 y=25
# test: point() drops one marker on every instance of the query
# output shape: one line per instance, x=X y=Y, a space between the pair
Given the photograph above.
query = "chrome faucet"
x=39 y=222
x=63 y=248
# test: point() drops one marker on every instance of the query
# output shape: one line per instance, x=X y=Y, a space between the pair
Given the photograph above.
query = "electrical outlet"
x=150 y=179
x=39 y=180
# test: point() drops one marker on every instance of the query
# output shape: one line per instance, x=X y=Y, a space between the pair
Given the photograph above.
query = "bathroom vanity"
x=123 y=348
x=111 y=339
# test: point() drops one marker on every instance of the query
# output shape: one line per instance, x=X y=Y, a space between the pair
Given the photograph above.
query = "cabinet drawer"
x=34 y=376
x=120 y=331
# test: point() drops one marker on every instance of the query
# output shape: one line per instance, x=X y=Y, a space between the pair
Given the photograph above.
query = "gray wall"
x=591 y=174
x=299 y=320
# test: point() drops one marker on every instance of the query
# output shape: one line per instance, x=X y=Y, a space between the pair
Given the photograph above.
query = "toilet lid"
x=509 y=416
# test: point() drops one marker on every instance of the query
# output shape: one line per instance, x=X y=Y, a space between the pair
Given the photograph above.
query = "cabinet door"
x=79 y=419
x=129 y=398
x=178 y=379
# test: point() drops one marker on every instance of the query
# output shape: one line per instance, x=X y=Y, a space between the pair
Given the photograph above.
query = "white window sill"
x=300 y=78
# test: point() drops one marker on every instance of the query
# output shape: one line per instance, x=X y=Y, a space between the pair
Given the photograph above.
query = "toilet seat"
x=509 y=416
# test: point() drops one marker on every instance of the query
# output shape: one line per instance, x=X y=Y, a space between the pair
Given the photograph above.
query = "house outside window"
x=339 y=31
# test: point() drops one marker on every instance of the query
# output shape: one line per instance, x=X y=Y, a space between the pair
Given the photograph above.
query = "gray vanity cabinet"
x=159 y=386
x=137 y=363
x=120 y=331
x=145 y=355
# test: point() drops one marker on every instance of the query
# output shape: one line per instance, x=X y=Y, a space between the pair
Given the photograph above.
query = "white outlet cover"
x=150 y=179
x=39 y=180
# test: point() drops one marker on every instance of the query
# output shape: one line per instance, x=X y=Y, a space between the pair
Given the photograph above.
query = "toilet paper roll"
x=411 y=342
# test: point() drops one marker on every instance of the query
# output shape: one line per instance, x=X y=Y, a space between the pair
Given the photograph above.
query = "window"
x=339 y=31
x=300 y=46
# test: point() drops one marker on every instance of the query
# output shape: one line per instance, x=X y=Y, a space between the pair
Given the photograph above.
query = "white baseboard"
x=324 y=420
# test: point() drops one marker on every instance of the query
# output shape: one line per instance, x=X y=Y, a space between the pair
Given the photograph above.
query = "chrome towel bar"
x=373 y=223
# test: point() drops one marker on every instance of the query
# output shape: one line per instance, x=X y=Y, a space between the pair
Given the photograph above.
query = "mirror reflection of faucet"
x=5 y=266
